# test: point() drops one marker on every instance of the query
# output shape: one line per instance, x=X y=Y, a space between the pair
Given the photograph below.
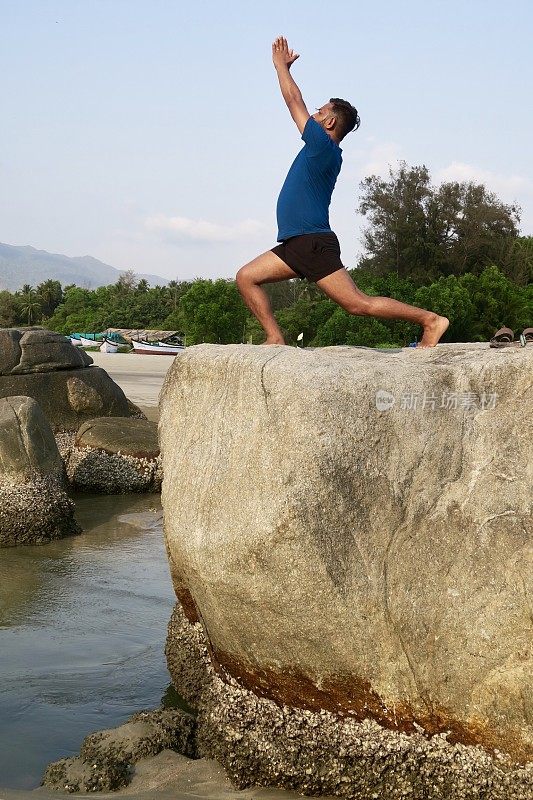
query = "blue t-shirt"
x=303 y=203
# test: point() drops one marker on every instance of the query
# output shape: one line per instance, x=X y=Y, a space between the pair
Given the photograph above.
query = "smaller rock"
x=27 y=444
x=135 y=411
x=75 y=775
x=46 y=351
x=124 y=435
x=107 y=757
x=144 y=734
x=35 y=512
x=187 y=657
x=115 y=455
x=34 y=506
x=69 y=397
x=9 y=349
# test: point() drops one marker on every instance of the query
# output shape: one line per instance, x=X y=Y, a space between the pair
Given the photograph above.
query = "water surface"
x=82 y=630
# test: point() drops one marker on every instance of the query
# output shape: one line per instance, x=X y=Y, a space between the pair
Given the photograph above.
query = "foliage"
x=341 y=328
x=449 y=297
x=423 y=232
x=8 y=309
x=30 y=307
x=213 y=311
x=497 y=301
x=305 y=316
x=51 y=295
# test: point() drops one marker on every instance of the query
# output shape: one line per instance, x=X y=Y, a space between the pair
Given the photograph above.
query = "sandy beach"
x=167 y=776
x=139 y=377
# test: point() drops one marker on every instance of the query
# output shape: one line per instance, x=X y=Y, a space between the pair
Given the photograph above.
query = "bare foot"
x=433 y=331
x=274 y=340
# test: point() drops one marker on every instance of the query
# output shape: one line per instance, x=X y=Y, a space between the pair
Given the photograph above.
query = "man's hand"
x=281 y=55
x=283 y=58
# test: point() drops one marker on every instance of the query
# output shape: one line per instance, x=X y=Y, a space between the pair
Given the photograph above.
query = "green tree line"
x=213 y=311
x=454 y=249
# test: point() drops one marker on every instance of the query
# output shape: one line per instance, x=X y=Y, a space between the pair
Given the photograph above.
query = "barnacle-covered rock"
x=34 y=505
x=115 y=455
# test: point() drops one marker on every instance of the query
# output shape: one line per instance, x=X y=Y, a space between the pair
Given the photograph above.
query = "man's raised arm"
x=283 y=58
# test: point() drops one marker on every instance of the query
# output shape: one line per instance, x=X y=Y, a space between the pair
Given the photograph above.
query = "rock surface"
x=69 y=397
x=34 y=506
x=27 y=443
x=115 y=455
x=366 y=517
x=131 y=437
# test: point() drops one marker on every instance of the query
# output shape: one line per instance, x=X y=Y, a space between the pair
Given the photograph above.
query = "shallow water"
x=82 y=630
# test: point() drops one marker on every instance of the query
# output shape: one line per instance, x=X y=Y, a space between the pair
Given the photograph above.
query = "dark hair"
x=347 y=116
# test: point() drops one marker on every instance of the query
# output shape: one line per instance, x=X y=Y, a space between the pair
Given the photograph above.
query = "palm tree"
x=51 y=294
x=173 y=291
x=30 y=307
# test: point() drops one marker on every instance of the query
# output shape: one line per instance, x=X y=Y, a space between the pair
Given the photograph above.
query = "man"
x=308 y=247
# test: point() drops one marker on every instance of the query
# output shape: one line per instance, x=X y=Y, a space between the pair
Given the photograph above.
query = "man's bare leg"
x=266 y=268
x=340 y=287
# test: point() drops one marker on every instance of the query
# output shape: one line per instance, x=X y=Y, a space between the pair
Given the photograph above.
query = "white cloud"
x=509 y=185
x=371 y=158
x=380 y=158
x=377 y=157
x=184 y=229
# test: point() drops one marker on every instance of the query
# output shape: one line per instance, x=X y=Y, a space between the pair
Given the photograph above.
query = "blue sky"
x=152 y=135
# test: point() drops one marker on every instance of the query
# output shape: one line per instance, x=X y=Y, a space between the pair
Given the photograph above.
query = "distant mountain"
x=20 y=265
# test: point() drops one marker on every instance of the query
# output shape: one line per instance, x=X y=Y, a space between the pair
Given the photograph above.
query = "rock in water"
x=107 y=758
x=352 y=530
x=34 y=507
x=115 y=455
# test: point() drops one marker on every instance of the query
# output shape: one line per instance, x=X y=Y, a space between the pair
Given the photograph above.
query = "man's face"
x=323 y=113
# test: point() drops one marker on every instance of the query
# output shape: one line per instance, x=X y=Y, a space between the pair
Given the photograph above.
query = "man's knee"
x=242 y=278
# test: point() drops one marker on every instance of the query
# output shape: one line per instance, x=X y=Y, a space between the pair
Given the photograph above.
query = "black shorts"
x=312 y=255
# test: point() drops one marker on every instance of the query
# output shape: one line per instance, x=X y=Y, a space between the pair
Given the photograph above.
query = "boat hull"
x=143 y=348
x=108 y=347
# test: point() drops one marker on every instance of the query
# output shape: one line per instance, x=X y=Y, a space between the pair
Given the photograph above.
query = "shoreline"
x=166 y=776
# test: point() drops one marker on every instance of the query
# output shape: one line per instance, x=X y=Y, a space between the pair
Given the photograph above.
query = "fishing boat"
x=167 y=344
x=89 y=342
x=108 y=347
x=74 y=341
x=155 y=348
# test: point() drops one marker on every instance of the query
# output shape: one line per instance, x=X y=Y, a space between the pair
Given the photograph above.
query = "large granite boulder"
x=351 y=530
x=46 y=366
x=115 y=455
x=34 y=506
